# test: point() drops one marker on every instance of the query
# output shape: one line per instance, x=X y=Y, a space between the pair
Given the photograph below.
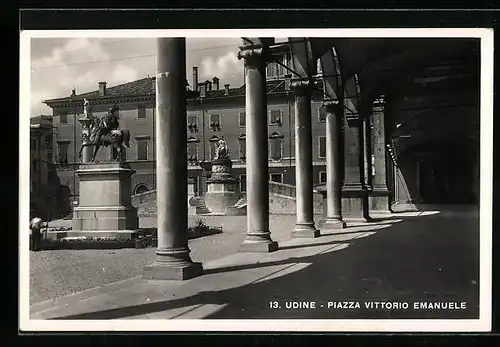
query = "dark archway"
x=141 y=188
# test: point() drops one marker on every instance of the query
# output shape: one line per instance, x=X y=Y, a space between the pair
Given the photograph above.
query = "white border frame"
x=360 y=325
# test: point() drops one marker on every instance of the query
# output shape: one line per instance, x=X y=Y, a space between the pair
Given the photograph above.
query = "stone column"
x=87 y=150
x=258 y=237
x=333 y=167
x=367 y=150
x=380 y=195
x=304 y=226
x=173 y=261
x=354 y=192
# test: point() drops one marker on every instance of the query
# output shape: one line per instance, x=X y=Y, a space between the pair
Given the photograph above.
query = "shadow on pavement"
x=431 y=258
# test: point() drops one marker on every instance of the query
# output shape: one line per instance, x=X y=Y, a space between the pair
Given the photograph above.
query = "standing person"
x=36 y=226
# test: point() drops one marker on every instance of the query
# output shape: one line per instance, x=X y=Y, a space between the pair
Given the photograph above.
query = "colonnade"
x=347 y=180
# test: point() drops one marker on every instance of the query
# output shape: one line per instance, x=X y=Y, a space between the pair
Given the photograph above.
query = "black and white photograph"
x=256 y=180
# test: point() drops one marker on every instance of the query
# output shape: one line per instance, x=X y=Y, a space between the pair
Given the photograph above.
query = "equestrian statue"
x=104 y=132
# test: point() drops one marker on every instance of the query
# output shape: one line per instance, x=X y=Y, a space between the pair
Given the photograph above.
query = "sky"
x=60 y=64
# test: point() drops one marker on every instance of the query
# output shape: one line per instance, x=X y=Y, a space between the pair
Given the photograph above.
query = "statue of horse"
x=116 y=138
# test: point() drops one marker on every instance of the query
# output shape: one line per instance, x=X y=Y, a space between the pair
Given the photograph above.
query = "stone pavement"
x=407 y=257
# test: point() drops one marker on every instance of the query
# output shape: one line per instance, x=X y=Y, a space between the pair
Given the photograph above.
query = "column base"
x=305 y=231
x=258 y=246
x=332 y=224
x=358 y=220
x=379 y=201
x=163 y=271
x=355 y=204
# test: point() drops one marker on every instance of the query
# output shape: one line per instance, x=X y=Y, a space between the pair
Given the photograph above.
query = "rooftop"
x=146 y=86
x=41 y=121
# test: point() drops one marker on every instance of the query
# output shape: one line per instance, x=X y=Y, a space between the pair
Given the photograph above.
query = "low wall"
x=281 y=204
x=281 y=201
x=148 y=196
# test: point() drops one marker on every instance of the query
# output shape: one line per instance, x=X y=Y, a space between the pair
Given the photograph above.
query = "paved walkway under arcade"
x=416 y=256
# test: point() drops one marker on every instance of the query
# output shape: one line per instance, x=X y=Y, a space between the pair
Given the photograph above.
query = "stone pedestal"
x=380 y=196
x=379 y=200
x=222 y=188
x=191 y=196
x=354 y=193
x=105 y=208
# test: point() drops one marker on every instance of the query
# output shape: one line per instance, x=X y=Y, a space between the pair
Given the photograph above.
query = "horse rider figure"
x=105 y=125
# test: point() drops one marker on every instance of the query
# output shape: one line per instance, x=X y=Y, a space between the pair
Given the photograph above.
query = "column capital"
x=332 y=106
x=253 y=55
x=379 y=103
x=301 y=86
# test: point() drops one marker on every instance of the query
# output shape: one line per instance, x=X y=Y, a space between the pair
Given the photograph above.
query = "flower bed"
x=87 y=243
x=148 y=237
x=144 y=238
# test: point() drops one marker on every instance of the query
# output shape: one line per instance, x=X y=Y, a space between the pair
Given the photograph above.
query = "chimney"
x=102 y=88
x=203 y=89
x=226 y=89
x=195 y=78
x=216 y=83
x=73 y=92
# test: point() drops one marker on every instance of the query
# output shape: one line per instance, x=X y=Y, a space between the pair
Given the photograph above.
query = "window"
x=141 y=112
x=243 y=146
x=33 y=144
x=35 y=165
x=192 y=151
x=243 y=183
x=215 y=121
x=275 y=70
x=321 y=114
x=276 y=177
x=322 y=177
x=49 y=157
x=322 y=147
x=275 y=117
x=63 y=152
x=142 y=149
x=242 y=119
x=192 y=123
x=276 y=142
x=63 y=118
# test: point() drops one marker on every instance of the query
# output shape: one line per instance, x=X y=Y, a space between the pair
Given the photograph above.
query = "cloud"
x=124 y=73
x=224 y=67
x=78 y=63
x=58 y=65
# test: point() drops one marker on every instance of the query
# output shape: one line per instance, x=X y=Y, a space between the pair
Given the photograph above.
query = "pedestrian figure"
x=36 y=227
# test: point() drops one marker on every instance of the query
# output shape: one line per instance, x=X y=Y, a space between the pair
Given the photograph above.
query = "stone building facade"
x=420 y=125
x=41 y=165
x=213 y=111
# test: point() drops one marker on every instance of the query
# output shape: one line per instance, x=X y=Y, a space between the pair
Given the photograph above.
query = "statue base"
x=223 y=190
x=105 y=207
